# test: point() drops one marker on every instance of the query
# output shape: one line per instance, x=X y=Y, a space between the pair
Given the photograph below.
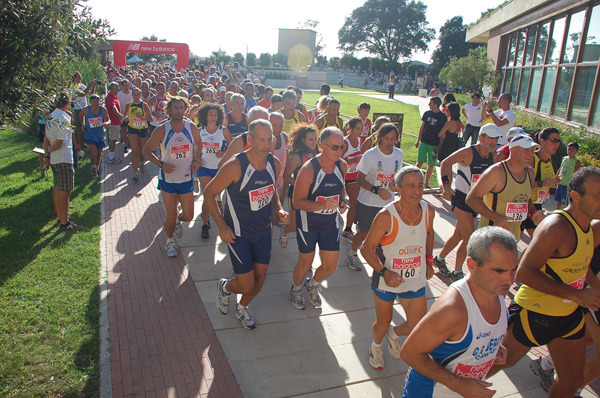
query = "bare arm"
x=491 y=179
x=420 y=134
x=430 y=241
x=227 y=175
x=158 y=135
x=301 y=201
x=147 y=112
x=236 y=146
x=463 y=156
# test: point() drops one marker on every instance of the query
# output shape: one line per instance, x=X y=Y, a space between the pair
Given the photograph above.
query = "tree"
x=472 y=71
x=320 y=44
x=40 y=40
x=451 y=44
x=250 y=59
x=264 y=59
x=390 y=29
x=279 y=58
x=238 y=57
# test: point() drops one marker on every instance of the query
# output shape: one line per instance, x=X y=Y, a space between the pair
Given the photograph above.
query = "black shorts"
x=141 y=133
x=533 y=329
x=458 y=200
x=528 y=223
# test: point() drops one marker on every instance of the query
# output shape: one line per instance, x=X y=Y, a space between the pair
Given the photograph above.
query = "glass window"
x=524 y=85
x=506 y=85
x=547 y=89
x=540 y=52
x=584 y=84
x=511 y=51
x=591 y=48
x=556 y=41
x=520 y=48
x=574 y=36
x=530 y=45
x=534 y=92
x=565 y=79
x=596 y=114
x=515 y=83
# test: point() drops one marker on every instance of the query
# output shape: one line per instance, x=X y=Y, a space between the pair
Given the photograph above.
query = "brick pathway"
x=162 y=343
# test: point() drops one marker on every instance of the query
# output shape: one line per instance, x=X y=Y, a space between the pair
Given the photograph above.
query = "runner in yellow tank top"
x=503 y=193
x=290 y=114
x=330 y=118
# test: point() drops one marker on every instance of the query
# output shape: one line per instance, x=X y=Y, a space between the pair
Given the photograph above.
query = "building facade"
x=547 y=52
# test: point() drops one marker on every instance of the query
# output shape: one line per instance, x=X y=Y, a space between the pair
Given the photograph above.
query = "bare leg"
x=134 y=144
x=516 y=351
x=384 y=311
x=301 y=269
x=329 y=263
x=170 y=200
x=415 y=309
x=465 y=221
x=569 y=361
x=352 y=190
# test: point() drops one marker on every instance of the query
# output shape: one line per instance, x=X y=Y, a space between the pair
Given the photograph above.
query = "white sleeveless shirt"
x=211 y=143
x=177 y=150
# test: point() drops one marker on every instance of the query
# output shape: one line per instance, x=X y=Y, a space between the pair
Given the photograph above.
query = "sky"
x=252 y=26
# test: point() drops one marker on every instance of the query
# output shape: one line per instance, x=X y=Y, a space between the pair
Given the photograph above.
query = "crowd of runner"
x=261 y=159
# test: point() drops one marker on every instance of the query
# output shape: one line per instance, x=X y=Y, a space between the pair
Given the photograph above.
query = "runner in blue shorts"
x=180 y=149
x=318 y=193
x=250 y=179
x=94 y=118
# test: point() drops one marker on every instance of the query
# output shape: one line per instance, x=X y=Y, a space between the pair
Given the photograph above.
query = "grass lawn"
x=49 y=313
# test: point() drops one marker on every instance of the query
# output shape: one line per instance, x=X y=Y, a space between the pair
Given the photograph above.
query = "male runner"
x=453 y=347
x=404 y=229
x=113 y=106
x=94 y=118
x=428 y=139
x=318 y=193
x=291 y=115
x=180 y=149
x=250 y=179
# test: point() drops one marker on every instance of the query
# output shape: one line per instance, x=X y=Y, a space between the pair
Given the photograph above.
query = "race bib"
x=516 y=212
x=579 y=283
x=542 y=195
x=210 y=147
x=95 y=122
x=138 y=122
x=478 y=371
x=323 y=199
x=407 y=267
x=180 y=151
x=352 y=168
x=383 y=180
x=474 y=178
x=260 y=197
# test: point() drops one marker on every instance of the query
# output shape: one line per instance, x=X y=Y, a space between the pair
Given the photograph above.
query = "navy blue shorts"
x=244 y=253
x=459 y=200
x=98 y=144
x=178 y=188
x=204 y=172
x=328 y=241
x=390 y=296
x=560 y=195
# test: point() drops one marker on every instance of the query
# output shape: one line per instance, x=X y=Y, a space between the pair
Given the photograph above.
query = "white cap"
x=513 y=132
x=491 y=130
x=524 y=141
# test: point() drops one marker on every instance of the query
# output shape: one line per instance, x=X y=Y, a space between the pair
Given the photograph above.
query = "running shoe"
x=441 y=265
x=94 y=172
x=196 y=185
x=393 y=342
x=245 y=316
x=125 y=149
x=376 y=357
x=457 y=275
x=178 y=230
x=204 y=234
x=222 y=297
x=283 y=238
x=142 y=167
x=313 y=294
x=171 y=249
x=70 y=226
x=297 y=299
x=111 y=161
x=354 y=262
x=135 y=178
x=348 y=234
x=546 y=376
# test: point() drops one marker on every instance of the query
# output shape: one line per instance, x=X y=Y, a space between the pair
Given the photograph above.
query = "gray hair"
x=258 y=122
x=112 y=84
x=276 y=114
x=399 y=177
x=482 y=239
x=237 y=96
x=328 y=132
x=256 y=109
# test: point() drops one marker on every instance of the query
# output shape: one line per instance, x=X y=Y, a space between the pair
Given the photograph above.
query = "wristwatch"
x=161 y=164
x=375 y=189
x=382 y=272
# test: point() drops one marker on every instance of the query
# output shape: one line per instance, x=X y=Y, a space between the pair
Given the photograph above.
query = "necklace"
x=410 y=222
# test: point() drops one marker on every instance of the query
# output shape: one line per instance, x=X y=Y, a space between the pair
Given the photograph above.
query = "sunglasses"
x=336 y=147
x=555 y=140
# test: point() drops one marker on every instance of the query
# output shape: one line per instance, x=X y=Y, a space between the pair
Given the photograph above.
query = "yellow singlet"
x=288 y=124
x=137 y=120
x=542 y=170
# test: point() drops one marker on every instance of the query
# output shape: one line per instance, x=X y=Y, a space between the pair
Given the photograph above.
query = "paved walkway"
x=167 y=338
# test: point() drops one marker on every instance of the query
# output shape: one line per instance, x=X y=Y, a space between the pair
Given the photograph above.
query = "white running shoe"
x=393 y=342
x=171 y=249
x=297 y=299
x=222 y=297
x=376 y=357
x=178 y=229
x=313 y=294
x=354 y=262
x=245 y=316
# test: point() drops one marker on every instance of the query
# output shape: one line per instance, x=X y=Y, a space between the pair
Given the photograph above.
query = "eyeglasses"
x=335 y=147
x=555 y=140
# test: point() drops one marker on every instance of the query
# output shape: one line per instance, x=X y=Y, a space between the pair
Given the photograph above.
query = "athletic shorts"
x=458 y=201
x=365 y=215
x=533 y=329
x=328 y=241
x=390 y=296
x=206 y=172
x=595 y=316
x=64 y=176
x=560 y=195
x=348 y=182
x=178 y=188
x=97 y=144
x=244 y=253
x=426 y=154
x=528 y=223
x=114 y=132
x=142 y=133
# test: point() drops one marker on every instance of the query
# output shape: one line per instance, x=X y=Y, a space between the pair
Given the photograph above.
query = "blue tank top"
x=93 y=124
x=237 y=128
x=323 y=186
x=248 y=209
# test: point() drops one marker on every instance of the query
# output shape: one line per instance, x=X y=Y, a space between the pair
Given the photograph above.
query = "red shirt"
x=112 y=100
x=264 y=103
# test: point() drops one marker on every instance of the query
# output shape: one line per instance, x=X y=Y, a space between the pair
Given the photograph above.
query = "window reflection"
x=582 y=95
x=520 y=48
x=524 y=84
x=549 y=80
x=530 y=44
x=540 y=52
x=565 y=79
x=556 y=41
x=574 y=36
x=591 y=49
x=536 y=83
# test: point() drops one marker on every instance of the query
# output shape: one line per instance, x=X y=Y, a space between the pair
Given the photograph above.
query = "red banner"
x=122 y=47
